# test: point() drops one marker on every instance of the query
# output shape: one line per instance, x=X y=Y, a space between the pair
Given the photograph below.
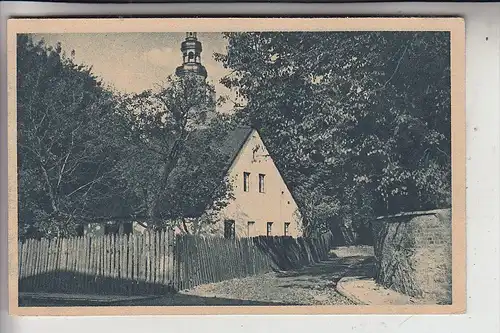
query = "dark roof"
x=231 y=143
x=227 y=142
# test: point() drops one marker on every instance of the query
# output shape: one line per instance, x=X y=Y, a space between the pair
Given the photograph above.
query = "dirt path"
x=309 y=286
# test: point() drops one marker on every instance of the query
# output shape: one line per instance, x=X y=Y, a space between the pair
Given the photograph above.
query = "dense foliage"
x=66 y=160
x=87 y=154
x=172 y=176
x=358 y=122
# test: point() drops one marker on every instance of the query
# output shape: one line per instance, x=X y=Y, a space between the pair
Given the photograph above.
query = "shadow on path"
x=166 y=300
x=334 y=269
x=313 y=285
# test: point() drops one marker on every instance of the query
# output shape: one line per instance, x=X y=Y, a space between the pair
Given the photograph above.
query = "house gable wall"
x=275 y=205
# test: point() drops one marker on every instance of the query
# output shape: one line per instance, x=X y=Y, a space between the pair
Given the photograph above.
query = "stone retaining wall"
x=413 y=254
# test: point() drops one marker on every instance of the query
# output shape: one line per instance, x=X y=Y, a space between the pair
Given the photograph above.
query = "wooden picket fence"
x=117 y=264
x=208 y=260
x=156 y=262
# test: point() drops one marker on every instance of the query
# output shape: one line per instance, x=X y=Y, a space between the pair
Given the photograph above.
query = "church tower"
x=191 y=57
x=191 y=64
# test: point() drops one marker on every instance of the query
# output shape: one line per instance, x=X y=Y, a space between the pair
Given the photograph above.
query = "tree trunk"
x=184 y=225
x=169 y=166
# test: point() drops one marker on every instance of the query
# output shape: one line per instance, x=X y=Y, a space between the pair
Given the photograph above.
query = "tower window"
x=190 y=56
x=269 y=228
x=261 y=182
x=246 y=181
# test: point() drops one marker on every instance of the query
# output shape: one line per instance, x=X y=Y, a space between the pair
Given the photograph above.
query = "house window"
x=127 y=228
x=229 y=231
x=261 y=182
x=246 y=181
x=269 y=228
x=251 y=228
x=287 y=228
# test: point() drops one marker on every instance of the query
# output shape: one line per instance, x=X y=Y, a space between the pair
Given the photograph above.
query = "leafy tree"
x=172 y=174
x=358 y=122
x=87 y=154
x=66 y=159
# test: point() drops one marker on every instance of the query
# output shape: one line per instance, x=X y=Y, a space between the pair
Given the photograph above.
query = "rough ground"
x=309 y=286
x=366 y=291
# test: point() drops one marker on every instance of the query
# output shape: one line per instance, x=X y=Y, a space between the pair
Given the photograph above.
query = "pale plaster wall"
x=275 y=205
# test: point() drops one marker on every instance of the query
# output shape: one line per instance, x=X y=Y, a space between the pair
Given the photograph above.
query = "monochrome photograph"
x=293 y=168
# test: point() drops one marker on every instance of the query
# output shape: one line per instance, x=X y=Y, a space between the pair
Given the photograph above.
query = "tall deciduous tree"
x=66 y=159
x=87 y=154
x=359 y=123
x=171 y=134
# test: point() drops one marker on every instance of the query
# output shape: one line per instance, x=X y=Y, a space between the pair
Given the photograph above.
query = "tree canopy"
x=172 y=174
x=89 y=154
x=358 y=122
x=66 y=152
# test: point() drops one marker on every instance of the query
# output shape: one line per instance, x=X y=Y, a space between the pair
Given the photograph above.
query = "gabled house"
x=261 y=203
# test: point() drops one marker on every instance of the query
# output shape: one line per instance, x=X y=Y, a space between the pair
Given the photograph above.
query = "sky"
x=134 y=62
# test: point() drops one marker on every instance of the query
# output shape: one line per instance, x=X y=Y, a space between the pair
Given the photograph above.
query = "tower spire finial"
x=191 y=35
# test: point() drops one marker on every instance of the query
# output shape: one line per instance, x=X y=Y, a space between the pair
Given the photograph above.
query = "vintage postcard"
x=236 y=166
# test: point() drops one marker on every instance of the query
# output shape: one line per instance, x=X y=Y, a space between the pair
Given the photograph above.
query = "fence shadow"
x=180 y=299
x=78 y=283
x=289 y=253
x=166 y=300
